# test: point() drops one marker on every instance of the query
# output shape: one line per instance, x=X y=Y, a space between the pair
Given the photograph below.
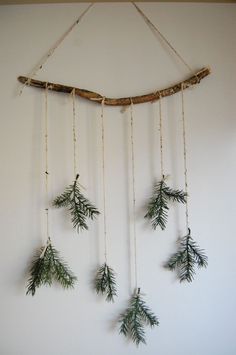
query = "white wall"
x=113 y=52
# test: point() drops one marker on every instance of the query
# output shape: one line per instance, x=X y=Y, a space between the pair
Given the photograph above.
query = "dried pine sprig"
x=135 y=318
x=105 y=282
x=187 y=257
x=79 y=206
x=158 y=205
x=47 y=266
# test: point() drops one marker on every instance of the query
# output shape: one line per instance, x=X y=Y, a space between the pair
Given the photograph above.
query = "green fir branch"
x=105 y=282
x=79 y=206
x=186 y=258
x=135 y=318
x=48 y=267
x=175 y=195
x=158 y=205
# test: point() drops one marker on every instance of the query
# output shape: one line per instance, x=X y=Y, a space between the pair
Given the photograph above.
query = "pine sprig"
x=135 y=318
x=158 y=205
x=188 y=255
x=105 y=282
x=79 y=206
x=47 y=267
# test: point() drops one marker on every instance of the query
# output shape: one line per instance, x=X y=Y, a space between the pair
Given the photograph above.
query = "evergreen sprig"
x=188 y=255
x=105 y=282
x=79 y=206
x=47 y=267
x=135 y=318
x=158 y=205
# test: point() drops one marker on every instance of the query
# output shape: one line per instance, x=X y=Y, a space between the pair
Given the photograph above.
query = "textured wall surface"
x=113 y=52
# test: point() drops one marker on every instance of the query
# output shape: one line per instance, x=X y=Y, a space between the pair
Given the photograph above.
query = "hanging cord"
x=103 y=180
x=134 y=194
x=46 y=173
x=44 y=59
x=74 y=133
x=161 y=135
x=76 y=175
x=185 y=159
x=153 y=27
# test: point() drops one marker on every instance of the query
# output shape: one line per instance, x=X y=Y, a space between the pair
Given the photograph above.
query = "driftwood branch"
x=95 y=97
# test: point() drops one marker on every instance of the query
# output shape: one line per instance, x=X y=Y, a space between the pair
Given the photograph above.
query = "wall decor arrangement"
x=47 y=266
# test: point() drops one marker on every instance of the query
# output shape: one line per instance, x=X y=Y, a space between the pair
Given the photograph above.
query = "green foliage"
x=158 y=205
x=80 y=207
x=105 y=282
x=48 y=267
x=188 y=255
x=135 y=318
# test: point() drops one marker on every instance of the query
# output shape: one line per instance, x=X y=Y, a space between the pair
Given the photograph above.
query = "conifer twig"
x=135 y=318
x=158 y=205
x=185 y=259
x=47 y=267
x=105 y=282
x=79 y=206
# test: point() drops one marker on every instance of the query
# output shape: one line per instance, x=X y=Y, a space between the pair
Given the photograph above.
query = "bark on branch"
x=95 y=97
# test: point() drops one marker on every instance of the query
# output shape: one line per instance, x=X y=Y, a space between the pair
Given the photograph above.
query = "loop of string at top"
x=46 y=173
x=153 y=27
x=44 y=59
x=185 y=158
x=103 y=179
x=134 y=193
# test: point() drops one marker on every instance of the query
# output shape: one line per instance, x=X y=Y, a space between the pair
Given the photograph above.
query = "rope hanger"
x=193 y=79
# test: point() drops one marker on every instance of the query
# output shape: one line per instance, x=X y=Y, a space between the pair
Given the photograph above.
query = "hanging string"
x=46 y=142
x=103 y=180
x=185 y=158
x=153 y=27
x=161 y=135
x=44 y=59
x=46 y=173
x=74 y=132
x=134 y=194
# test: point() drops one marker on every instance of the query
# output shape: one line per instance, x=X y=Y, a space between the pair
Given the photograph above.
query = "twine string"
x=45 y=58
x=74 y=132
x=133 y=193
x=153 y=27
x=103 y=179
x=46 y=173
x=161 y=136
x=185 y=158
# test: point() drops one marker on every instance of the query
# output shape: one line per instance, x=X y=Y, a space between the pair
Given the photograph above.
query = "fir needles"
x=186 y=258
x=105 y=282
x=79 y=206
x=47 y=267
x=135 y=318
x=158 y=205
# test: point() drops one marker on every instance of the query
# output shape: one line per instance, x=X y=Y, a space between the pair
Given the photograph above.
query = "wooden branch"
x=95 y=97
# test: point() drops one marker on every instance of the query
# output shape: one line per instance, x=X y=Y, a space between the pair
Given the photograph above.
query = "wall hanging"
x=47 y=265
